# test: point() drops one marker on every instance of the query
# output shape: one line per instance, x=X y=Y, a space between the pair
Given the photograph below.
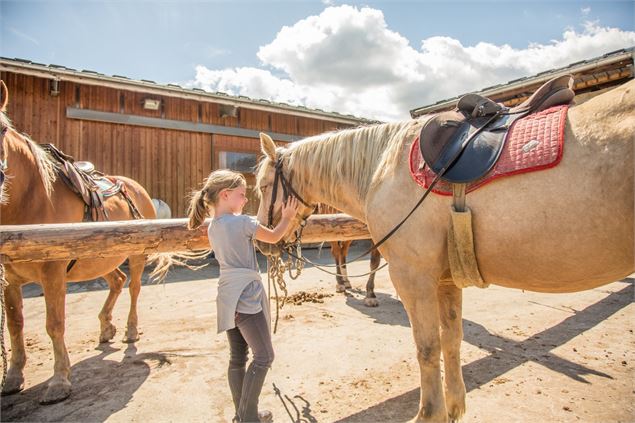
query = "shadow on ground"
x=506 y=354
x=91 y=402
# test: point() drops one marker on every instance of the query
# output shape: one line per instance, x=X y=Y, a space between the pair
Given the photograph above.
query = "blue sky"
x=372 y=59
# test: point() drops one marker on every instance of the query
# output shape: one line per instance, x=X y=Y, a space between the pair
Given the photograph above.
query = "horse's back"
x=564 y=229
x=139 y=196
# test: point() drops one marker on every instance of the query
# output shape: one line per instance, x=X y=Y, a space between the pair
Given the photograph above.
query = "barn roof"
x=63 y=73
x=591 y=74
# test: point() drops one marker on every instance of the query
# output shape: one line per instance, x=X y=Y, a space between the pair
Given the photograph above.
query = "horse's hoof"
x=56 y=392
x=13 y=385
x=340 y=288
x=456 y=412
x=108 y=333
x=131 y=336
x=348 y=285
x=371 y=302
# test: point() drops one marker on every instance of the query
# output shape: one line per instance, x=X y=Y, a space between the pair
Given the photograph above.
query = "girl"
x=242 y=305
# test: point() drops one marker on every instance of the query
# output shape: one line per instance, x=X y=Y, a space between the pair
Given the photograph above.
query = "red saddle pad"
x=534 y=142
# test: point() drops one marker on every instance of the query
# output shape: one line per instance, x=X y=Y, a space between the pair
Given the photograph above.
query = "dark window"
x=239 y=162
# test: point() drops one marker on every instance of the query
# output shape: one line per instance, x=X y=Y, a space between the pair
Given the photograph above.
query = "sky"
x=373 y=59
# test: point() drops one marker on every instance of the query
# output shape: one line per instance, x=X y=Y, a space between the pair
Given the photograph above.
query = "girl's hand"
x=290 y=208
x=272 y=236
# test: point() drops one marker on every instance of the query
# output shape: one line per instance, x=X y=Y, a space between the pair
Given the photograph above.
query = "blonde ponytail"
x=197 y=211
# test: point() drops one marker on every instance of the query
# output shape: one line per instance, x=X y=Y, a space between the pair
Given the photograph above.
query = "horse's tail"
x=164 y=261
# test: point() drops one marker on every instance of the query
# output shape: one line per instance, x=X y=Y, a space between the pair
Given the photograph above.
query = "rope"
x=3 y=284
x=323 y=266
x=275 y=272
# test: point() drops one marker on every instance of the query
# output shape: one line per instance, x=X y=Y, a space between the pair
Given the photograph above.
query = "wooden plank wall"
x=168 y=163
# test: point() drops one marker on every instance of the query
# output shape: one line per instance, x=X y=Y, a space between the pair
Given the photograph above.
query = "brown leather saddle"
x=92 y=186
x=462 y=145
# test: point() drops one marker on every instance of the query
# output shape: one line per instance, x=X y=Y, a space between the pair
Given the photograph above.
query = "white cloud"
x=585 y=10
x=347 y=60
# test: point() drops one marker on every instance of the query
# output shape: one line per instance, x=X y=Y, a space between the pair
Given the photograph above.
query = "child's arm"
x=272 y=236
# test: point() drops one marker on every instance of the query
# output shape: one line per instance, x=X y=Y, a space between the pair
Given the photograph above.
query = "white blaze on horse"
x=564 y=229
x=31 y=192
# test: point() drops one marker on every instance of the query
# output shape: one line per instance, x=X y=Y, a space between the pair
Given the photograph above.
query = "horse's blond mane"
x=45 y=165
x=352 y=158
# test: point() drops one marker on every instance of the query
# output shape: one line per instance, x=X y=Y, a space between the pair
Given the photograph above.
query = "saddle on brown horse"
x=463 y=144
x=89 y=184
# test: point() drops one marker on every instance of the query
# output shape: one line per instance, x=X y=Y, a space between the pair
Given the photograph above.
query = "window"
x=239 y=162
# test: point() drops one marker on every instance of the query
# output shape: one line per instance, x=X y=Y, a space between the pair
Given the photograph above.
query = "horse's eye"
x=263 y=188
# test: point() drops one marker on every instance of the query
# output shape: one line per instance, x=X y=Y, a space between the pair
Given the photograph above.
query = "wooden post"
x=24 y=243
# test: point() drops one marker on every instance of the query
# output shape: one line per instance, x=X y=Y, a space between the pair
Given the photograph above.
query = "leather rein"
x=287 y=188
x=280 y=175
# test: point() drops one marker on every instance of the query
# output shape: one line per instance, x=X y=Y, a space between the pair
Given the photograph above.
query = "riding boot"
x=236 y=377
x=252 y=386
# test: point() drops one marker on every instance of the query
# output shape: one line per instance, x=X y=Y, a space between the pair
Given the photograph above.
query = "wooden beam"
x=177 y=125
x=26 y=243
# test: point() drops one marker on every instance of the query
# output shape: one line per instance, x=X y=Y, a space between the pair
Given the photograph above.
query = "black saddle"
x=464 y=144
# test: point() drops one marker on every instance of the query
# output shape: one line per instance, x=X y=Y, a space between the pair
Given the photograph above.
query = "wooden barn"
x=165 y=136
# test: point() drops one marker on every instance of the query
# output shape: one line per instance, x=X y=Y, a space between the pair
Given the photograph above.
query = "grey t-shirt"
x=232 y=237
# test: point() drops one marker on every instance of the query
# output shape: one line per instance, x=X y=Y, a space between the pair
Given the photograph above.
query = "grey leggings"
x=251 y=331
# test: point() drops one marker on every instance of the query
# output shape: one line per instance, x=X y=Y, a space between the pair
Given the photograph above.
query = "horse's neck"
x=346 y=202
x=25 y=186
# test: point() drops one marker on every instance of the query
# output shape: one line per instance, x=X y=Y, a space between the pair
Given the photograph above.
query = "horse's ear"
x=4 y=96
x=267 y=146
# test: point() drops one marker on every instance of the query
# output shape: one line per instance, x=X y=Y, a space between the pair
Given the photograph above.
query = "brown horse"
x=339 y=250
x=564 y=229
x=30 y=193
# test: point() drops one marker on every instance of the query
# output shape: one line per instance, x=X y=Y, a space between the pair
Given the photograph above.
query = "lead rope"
x=3 y=284
x=275 y=277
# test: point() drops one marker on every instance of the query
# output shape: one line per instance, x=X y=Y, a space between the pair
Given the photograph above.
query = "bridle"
x=3 y=162
x=294 y=249
x=276 y=266
x=287 y=191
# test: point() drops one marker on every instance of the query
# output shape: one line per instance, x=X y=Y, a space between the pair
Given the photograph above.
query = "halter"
x=287 y=191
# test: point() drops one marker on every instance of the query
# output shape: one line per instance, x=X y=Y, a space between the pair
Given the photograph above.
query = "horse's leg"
x=15 y=322
x=371 y=298
x=136 y=265
x=419 y=296
x=345 y=246
x=336 y=251
x=54 y=286
x=116 y=279
x=450 y=305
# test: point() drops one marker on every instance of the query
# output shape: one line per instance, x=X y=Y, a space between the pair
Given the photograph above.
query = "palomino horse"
x=31 y=193
x=565 y=229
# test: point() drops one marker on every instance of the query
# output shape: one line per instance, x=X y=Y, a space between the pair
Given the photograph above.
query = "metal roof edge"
x=61 y=73
x=577 y=67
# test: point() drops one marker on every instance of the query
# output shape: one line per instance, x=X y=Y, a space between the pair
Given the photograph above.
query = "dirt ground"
x=526 y=357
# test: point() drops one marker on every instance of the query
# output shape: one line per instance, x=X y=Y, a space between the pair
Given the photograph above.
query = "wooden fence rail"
x=24 y=243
